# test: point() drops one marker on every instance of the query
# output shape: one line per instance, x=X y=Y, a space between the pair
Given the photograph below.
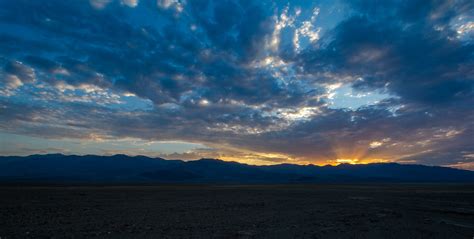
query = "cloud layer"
x=254 y=81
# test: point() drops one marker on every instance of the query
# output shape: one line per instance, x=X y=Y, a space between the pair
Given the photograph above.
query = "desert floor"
x=238 y=211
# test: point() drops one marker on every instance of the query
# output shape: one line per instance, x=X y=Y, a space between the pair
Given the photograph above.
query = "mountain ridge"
x=123 y=168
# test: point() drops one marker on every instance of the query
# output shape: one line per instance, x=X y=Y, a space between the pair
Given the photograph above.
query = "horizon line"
x=227 y=161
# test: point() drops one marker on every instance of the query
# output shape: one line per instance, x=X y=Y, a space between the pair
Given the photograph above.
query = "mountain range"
x=59 y=168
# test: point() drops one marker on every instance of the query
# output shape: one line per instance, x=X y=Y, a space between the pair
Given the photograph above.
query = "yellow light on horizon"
x=349 y=161
x=358 y=161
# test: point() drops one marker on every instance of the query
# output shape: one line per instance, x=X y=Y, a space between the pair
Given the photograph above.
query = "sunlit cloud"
x=99 y=4
x=174 y=4
x=130 y=3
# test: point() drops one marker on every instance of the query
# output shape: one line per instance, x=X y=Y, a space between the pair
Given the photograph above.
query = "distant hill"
x=58 y=168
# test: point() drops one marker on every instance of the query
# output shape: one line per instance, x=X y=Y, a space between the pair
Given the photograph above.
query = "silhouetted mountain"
x=60 y=168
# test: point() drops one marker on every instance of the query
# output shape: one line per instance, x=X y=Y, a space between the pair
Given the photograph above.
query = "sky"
x=252 y=81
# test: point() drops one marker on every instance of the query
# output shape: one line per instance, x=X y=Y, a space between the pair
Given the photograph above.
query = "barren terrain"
x=235 y=211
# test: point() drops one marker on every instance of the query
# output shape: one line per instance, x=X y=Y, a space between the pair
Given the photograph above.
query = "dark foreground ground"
x=272 y=211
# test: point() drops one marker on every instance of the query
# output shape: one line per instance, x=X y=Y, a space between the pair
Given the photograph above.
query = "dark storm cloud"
x=213 y=74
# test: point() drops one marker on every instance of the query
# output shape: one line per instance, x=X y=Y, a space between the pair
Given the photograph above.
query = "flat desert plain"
x=238 y=211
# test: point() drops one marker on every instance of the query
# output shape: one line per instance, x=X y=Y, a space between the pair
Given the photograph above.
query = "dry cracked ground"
x=238 y=211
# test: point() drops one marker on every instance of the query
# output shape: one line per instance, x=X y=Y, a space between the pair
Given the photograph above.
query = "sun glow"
x=349 y=161
x=357 y=161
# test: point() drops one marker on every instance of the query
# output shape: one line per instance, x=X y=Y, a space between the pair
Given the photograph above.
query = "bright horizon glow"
x=165 y=149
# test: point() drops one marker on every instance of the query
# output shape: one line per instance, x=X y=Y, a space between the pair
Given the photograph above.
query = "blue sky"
x=259 y=82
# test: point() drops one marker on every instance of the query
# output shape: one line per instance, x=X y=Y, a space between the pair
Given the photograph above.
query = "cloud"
x=396 y=49
x=273 y=81
x=130 y=3
x=99 y=4
x=14 y=75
